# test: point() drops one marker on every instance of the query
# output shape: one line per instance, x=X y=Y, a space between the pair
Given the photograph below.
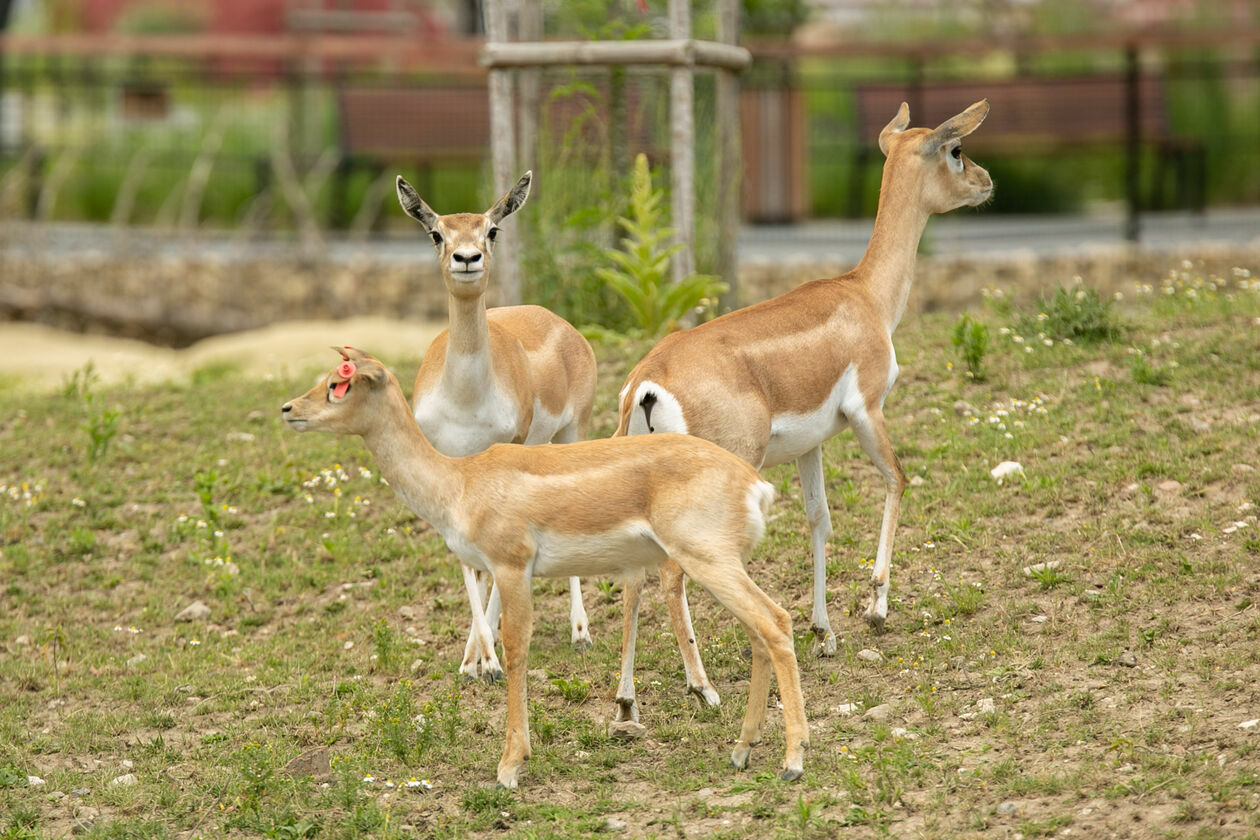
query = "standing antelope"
x=512 y=374
x=606 y=507
x=772 y=382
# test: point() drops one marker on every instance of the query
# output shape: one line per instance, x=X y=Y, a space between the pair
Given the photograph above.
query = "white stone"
x=881 y=712
x=125 y=780
x=35 y=781
x=1041 y=567
x=1249 y=724
x=136 y=660
x=870 y=655
x=1005 y=470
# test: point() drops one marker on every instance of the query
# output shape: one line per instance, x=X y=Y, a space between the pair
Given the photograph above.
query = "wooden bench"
x=1039 y=116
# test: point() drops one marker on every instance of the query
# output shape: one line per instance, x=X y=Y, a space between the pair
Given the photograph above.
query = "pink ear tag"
x=345 y=370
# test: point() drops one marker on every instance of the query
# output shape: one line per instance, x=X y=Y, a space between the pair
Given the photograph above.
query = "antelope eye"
x=957 y=152
x=492 y=233
x=436 y=237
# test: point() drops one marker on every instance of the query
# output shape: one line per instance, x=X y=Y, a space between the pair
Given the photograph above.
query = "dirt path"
x=48 y=356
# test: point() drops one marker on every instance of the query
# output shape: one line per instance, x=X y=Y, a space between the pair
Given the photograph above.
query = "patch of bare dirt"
x=50 y=355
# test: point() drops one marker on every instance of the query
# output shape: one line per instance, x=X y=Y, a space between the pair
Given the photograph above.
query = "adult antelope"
x=512 y=374
x=605 y=507
x=772 y=382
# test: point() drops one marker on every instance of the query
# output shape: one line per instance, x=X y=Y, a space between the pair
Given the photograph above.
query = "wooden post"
x=502 y=153
x=682 y=146
x=529 y=30
x=729 y=175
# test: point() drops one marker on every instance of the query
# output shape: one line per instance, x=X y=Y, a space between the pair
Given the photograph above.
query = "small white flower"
x=77 y=502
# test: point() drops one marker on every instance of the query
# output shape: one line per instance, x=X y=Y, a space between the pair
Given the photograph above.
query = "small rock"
x=408 y=612
x=127 y=764
x=985 y=706
x=963 y=408
x=1242 y=469
x=313 y=762
x=1169 y=486
x=917 y=481
x=614 y=825
x=900 y=733
x=881 y=712
x=1039 y=619
x=35 y=781
x=870 y=655
x=416 y=665
x=1249 y=724
x=1200 y=425
x=136 y=660
x=196 y=611
x=1128 y=660
x=845 y=708
x=125 y=780
x=626 y=730
x=1005 y=470
x=80 y=791
x=1007 y=809
x=581 y=755
x=22 y=640
x=240 y=437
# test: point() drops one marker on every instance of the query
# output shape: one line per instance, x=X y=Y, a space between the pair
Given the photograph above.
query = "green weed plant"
x=642 y=263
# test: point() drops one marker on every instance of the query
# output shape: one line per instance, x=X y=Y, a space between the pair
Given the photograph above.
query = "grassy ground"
x=1112 y=692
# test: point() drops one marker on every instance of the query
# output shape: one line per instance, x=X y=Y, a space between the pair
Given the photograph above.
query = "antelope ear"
x=898 y=124
x=512 y=201
x=956 y=127
x=413 y=205
x=348 y=353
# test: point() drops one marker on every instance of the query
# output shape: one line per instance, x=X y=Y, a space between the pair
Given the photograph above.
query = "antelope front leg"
x=479 y=656
x=814 y=489
x=674 y=586
x=518 y=623
x=872 y=434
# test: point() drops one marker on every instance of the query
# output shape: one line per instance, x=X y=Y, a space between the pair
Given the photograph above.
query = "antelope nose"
x=286 y=408
x=467 y=258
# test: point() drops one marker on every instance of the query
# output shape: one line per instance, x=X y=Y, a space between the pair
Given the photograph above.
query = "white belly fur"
x=633 y=545
x=792 y=435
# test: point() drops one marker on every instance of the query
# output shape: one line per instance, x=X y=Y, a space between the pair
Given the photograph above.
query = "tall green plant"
x=642 y=262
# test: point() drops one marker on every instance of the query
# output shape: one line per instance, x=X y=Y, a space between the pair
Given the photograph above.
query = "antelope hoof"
x=740 y=756
x=791 y=774
x=707 y=695
x=824 y=643
x=508 y=779
x=492 y=674
x=583 y=644
x=874 y=619
x=626 y=730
